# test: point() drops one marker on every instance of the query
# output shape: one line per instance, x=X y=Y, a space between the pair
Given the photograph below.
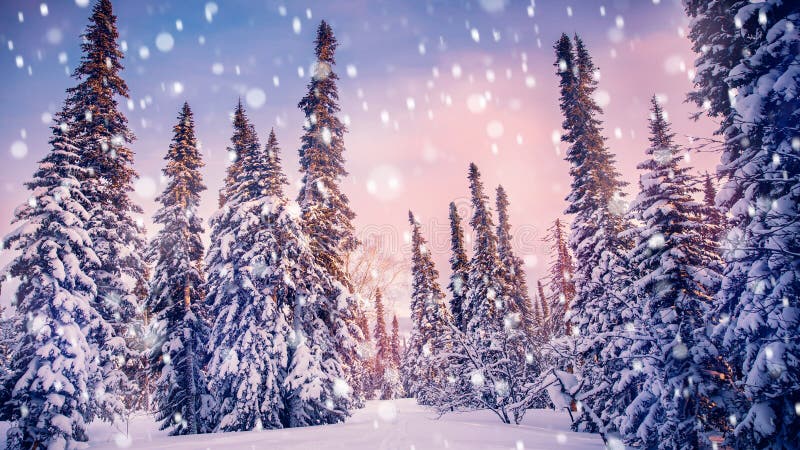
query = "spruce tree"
x=327 y=217
x=54 y=363
x=387 y=377
x=487 y=367
x=429 y=318
x=714 y=218
x=381 y=344
x=247 y=364
x=596 y=201
x=487 y=304
x=756 y=309
x=99 y=129
x=674 y=279
x=560 y=281
x=176 y=304
x=326 y=210
x=395 y=342
x=538 y=319
x=548 y=319
x=459 y=266
x=314 y=390
x=512 y=266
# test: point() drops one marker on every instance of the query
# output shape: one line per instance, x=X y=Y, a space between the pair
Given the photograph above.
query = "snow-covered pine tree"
x=539 y=330
x=596 y=201
x=177 y=309
x=757 y=307
x=387 y=377
x=313 y=389
x=394 y=342
x=138 y=368
x=327 y=216
x=392 y=374
x=487 y=300
x=512 y=267
x=459 y=266
x=429 y=318
x=382 y=348
x=248 y=361
x=99 y=129
x=549 y=321
x=560 y=280
x=714 y=219
x=54 y=365
x=674 y=278
x=487 y=365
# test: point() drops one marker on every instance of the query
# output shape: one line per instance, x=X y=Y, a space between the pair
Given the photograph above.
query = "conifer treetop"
x=325 y=43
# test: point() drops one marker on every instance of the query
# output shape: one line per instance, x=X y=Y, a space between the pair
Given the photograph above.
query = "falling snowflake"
x=164 y=42
x=341 y=388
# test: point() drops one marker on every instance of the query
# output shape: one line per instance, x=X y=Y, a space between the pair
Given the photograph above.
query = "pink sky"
x=422 y=163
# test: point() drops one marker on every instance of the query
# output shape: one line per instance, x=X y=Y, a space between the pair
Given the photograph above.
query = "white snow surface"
x=384 y=424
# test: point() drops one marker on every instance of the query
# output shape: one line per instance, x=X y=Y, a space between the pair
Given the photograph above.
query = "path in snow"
x=381 y=425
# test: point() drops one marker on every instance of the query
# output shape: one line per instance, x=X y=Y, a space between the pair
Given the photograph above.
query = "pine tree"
x=548 y=321
x=675 y=281
x=387 y=379
x=327 y=217
x=487 y=367
x=429 y=317
x=512 y=267
x=381 y=345
x=538 y=319
x=138 y=342
x=176 y=304
x=714 y=220
x=98 y=127
x=487 y=304
x=54 y=365
x=314 y=390
x=459 y=266
x=756 y=309
x=596 y=201
x=326 y=209
x=395 y=342
x=248 y=363
x=560 y=280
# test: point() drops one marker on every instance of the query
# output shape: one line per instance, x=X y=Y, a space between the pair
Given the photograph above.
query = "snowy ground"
x=382 y=425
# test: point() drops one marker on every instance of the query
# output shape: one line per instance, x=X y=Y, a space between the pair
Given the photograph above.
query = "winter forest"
x=164 y=289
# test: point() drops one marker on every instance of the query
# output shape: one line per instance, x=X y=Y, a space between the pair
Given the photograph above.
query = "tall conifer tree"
x=560 y=279
x=429 y=318
x=395 y=341
x=747 y=77
x=248 y=363
x=512 y=266
x=387 y=377
x=327 y=217
x=487 y=303
x=459 y=266
x=99 y=129
x=595 y=199
x=176 y=304
x=674 y=279
x=54 y=363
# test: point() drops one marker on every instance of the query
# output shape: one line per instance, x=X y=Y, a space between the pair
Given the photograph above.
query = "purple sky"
x=426 y=86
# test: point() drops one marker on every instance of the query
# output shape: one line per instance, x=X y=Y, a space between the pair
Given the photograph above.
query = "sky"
x=426 y=87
